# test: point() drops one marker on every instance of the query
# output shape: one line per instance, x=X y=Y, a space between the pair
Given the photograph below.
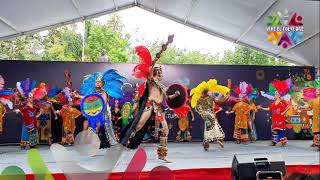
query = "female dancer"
x=45 y=119
x=30 y=112
x=278 y=90
x=106 y=84
x=204 y=103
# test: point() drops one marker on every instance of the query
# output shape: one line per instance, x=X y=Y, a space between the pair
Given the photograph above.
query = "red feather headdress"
x=141 y=70
x=40 y=92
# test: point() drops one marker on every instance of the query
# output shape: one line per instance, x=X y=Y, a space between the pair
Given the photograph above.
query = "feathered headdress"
x=65 y=95
x=283 y=87
x=112 y=83
x=246 y=90
x=89 y=83
x=141 y=70
x=5 y=94
x=243 y=89
x=52 y=91
x=253 y=94
x=40 y=92
x=210 y=86
x=25 y=87
x=310 y=93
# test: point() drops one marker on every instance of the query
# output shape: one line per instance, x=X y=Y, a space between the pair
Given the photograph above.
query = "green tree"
x=65 y=43
x=247 y=56
x=62 y=44
x=99 y=36
x=174 y=55
x=22 y=48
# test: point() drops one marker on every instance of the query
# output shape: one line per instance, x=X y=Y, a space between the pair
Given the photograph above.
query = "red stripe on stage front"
x=210 y=173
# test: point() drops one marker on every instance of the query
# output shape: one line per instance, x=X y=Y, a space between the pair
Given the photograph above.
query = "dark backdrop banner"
x=53 y=72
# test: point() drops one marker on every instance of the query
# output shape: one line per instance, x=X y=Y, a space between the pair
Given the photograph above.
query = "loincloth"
x=156 y=108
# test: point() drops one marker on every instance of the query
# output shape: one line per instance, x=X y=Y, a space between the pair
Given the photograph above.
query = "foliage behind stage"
x=65 y=43
x=191 y=75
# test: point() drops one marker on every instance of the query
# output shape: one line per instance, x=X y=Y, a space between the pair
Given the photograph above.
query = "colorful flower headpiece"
x=210 y=86
x=246 y=90
x=65 y=95
x=243 y=89
x=283 y=87
x=311 y=92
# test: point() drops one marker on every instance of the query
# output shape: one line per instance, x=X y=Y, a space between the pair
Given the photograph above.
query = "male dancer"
x=151 y=94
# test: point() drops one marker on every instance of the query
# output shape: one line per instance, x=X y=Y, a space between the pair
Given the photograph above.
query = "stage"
x=185 y=156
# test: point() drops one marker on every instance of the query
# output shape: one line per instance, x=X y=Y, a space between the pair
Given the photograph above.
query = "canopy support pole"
x=83 y=39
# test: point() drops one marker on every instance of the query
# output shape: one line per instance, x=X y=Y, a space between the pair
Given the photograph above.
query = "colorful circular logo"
x=284 y=29
x=93 y=105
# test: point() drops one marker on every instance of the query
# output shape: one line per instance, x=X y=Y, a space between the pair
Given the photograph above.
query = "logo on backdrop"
x=284 y=29
x=171 y=116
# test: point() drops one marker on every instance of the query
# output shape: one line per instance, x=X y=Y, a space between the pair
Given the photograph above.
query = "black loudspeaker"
x=246 y=166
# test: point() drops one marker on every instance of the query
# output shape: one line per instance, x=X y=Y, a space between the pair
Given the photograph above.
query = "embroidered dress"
x=213 y=131
x=241 y=110
x=29 y=134
x=69 y=114
x=278 y=122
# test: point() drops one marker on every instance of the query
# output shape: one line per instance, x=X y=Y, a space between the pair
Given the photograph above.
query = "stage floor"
x=183 y=155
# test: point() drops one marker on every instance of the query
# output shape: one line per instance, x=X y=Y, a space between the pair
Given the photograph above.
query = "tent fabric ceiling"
x=239 y=21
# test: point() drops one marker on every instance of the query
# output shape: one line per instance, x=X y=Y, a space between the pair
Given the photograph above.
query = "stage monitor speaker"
x=246 y=166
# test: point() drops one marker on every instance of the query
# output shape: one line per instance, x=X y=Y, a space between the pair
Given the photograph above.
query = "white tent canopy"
x=240 y=21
